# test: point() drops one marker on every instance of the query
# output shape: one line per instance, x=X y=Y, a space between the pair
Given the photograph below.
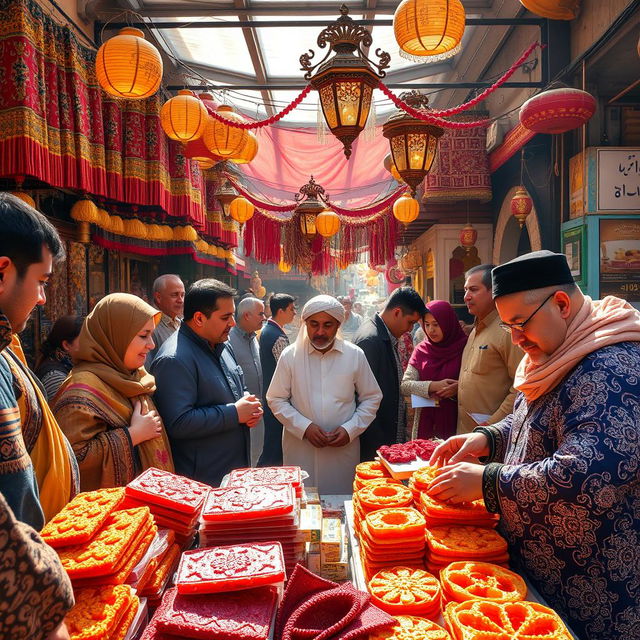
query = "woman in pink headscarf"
x=433 y=372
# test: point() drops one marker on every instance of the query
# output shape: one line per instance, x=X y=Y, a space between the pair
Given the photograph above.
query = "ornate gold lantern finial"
x=345 y=82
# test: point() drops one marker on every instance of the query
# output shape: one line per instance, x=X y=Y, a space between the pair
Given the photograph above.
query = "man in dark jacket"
x=273 y=341
x=201 y=394
x=378 y=338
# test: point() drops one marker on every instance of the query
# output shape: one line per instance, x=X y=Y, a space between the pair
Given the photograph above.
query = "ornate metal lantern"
x=468 y=236
x=413 y=142
x=521 y=205
x=346 y=81
x=310 y=205
x=226 y=194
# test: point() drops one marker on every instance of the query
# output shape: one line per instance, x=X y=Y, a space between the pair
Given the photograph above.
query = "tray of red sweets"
x=402 y=460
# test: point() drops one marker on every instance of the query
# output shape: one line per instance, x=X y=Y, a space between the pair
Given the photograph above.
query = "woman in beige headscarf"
x=104 y=407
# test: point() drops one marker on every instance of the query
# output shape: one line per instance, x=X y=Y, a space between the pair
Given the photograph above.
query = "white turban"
x=329 y=304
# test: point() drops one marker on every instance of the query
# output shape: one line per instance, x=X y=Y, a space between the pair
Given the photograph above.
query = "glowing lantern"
x=25 y=197
x=391 y=168
x=241 y=210
x=327 y=224
x=248 y=152
x=345 y=82
x=557 y=110
x=413 y=142
x=285 y=267
x=429 y=30
x=553 y=9
x=521 y=205
x=184 y=117
x=468 y=236
x=221 y=139
x=406 y=209
x=197 y=150
x=127 y=66
x=309 y=207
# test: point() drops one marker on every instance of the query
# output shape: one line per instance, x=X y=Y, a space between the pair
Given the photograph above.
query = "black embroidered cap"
x=534 y=270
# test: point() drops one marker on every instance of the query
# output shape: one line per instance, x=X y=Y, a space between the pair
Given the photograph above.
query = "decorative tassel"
x=321 y=129
x=430 y=59
x=369 y=132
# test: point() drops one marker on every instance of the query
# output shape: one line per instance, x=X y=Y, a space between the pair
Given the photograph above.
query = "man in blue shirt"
x=201 y=393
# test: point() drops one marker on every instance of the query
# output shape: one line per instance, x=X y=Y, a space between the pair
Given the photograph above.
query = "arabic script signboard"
x=618 y=179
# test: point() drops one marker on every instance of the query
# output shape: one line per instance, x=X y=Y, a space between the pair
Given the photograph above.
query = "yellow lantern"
x=248 y=152
x=127 y=66
x=104 y=220
x=154 y=232
x=285 y=267
x=391 y=168
x=241 y=210
x=223 y=140
x=25 y=197
x=184 y=117
x=185 y=234
x=429 y=30
x=85 y=211
x=406 y=209
x=553 y=9
x=327 y=224
x=135 y=228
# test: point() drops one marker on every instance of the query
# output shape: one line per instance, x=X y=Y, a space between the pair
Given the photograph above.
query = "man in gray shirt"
x=168 y=297
x=243 y=341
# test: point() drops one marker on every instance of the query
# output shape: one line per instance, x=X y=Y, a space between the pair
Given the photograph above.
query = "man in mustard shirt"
x=489 y=360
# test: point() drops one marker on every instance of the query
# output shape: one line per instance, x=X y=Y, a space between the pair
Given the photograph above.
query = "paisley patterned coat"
x=564 y=475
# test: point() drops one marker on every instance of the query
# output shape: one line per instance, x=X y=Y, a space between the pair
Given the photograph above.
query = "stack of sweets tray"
x=254 y=513
x=146 y=568
x=437 y=512
x=237 y=615
x=105 y=613
x=155 y=586
x=454 y=543
x=267 y=475
x=365 y=471
x=391 y=537
x=109 y=557
x=379 y=494
x=174 y=501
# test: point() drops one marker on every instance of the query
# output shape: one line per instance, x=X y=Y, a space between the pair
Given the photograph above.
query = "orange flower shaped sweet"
x=463 y=511
x=462 y=581
x=400 y=522
x=484 y=620
x=412 y=628
x=372 y=469
x=379 y=496
x=422 y=478
x=403 y=590
x=465 y=542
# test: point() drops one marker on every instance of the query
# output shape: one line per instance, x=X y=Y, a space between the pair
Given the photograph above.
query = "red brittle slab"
x=248 y=502
x=265 y=475
x=240 y=615
x=168 y=490
x=230 y=568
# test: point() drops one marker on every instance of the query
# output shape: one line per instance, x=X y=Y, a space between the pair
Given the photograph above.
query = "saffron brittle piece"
x=412 y=628
x=465 y=542
x=168 y=489
x=249 y=502
x=81 y=519
x=462 y=581
x=240 y=615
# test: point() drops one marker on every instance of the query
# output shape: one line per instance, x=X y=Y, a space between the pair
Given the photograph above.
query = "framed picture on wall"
x=620 y=258
x=573 y=246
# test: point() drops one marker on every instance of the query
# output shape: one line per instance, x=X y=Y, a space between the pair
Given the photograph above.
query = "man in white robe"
x=325 y=395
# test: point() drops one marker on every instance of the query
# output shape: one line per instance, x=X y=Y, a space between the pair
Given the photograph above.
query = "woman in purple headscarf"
x=433 y=372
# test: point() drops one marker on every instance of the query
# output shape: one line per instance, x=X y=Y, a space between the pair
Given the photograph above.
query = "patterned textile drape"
x=462 y=167
x=58 y=126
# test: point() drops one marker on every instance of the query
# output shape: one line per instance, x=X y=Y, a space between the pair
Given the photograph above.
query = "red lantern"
x=468 y=236
x=197 y=150
x=557 y=111
x=521 y=205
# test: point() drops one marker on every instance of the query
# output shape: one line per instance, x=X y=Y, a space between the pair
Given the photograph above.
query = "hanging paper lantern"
x=557 y=110
x=184 y=117
x=468 y=236
x=221 y=139
x=185 y=234
x=241 y=210
x=248 y=152
x=391 y=168
x=197 y=150
x=134 y=228
x=85 y=211
x=406 y=209
x=553 y=9
x=116 y=225
x=128 y=66
x=429 y=30
x=521 y=205
x=25 y=197
x=327 y=224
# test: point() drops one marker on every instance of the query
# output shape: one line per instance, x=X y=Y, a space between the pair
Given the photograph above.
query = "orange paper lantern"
x=248 y=152
x=406 y=209
x=468 y=236
x=327 y=224
x=127 y=66
x=184 y=117
x=553 y=9
x=86 y=211
x=241 y=210
x=221 y=139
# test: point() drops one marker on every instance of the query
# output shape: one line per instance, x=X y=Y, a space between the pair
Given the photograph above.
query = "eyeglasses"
x=519 y=326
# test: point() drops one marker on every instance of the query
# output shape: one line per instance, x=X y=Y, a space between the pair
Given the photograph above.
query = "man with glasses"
x=562 y=470
x=242 y=338
x=489 y=361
